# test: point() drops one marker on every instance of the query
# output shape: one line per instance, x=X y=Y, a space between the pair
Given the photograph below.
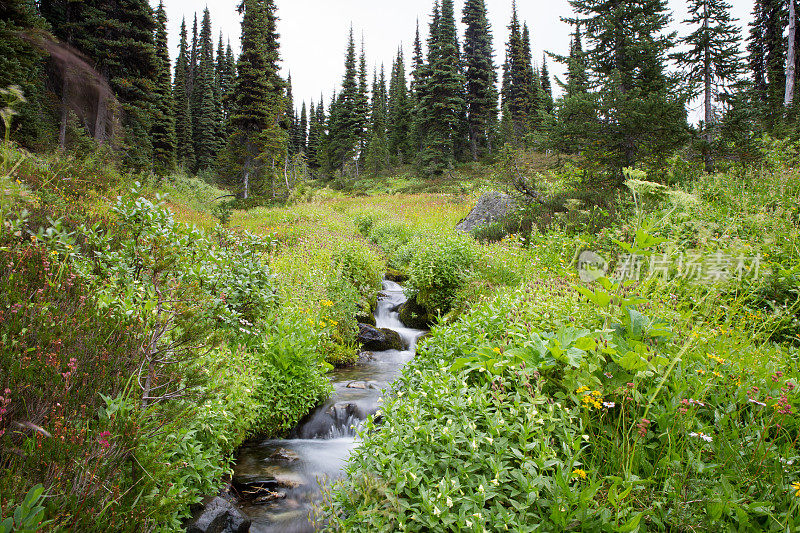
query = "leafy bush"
x=439 y=270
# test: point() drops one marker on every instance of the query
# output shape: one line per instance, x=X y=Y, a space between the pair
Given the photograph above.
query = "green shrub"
x=439 y=270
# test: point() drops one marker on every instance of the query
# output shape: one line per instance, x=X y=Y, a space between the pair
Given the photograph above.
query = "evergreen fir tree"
x=303 y=138
x=418 y=80
x=399 y=113
x=290 y=118
x=712 y=62
x=362 y=105
x=21 y=64
x=481 y=78
x=183 y=111
x=767 y=57
x=547 y=88
x=257 y=140
x=345 y=120
x=164 y=139
x=517 y=79
x=194 y=100
x=206 y=123
x=442 y=106
x=643 y=114
x=377 y=156
x=576 y=121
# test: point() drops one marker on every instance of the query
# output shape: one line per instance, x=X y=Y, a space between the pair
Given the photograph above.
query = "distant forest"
x=97 y=77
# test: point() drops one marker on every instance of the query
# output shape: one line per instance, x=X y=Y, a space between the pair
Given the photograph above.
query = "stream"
x=286 y=474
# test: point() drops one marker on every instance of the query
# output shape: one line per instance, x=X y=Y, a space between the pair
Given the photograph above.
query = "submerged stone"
x=219 y=516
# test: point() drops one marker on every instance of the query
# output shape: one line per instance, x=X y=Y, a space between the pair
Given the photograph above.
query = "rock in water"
x=413 y=315
x=491 y=207
x=379 y=340
x=284 y=455
x=220 y=516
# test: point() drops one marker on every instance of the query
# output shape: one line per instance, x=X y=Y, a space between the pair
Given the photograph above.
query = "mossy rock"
x=413 y=315
x=366 y=318
x=396 y=275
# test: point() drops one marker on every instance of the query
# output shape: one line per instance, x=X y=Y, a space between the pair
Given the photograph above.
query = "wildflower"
x=701 y=436
x=582 y=389
x=642 y=427
x=609 y=405
x=796 y=488
x=326 y=303
x=496 y=350
x=579 y=473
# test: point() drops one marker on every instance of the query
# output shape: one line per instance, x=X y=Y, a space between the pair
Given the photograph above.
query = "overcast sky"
x=314 y=32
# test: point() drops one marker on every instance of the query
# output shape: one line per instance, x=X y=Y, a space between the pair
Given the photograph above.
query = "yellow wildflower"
x=582 y=389
x=326 y=303
x=496 y=350
x=796 y=488
x=579 y=473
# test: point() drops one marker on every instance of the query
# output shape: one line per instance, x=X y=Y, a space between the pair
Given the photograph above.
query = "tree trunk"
x=709 y=117
x=62 y=132
x=791 y=60
x=246 y=183
x=101 y=119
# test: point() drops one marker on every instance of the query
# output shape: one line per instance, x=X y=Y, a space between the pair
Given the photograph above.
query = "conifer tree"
x=399 y=113
x=643 y=114
x=183 y=111
x=194 y=56
x=442 y=106
x=21 y=64
x=711 y=62
x=547 y=88
x=418 y=80
x=362 y=105
x=345 y=120
x=531 y=81
x=767 y=57
x=164 y=139
x=481 y=78
x=206 y=132
x=377 y=156
x=257 y=140
x=576 y=121
x=303 y=129
x=290 y=118
x=517 y=77
x=223 y=86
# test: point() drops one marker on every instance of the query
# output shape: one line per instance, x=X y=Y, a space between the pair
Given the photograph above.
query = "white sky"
x=314 y=32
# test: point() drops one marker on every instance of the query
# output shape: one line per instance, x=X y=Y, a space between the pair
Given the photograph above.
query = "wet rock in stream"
x=219 y=516
x=379 y=339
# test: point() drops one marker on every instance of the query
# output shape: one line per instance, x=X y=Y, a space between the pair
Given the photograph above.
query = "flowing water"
x=292 y=469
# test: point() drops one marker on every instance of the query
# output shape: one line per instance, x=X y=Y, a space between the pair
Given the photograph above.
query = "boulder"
x=396 y=275
x=491 y=207
x=379 y=340
x=219 y=516
x=413 y=315
x=366 y=318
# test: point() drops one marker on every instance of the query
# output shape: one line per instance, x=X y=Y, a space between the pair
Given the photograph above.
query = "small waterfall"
x=319 y=446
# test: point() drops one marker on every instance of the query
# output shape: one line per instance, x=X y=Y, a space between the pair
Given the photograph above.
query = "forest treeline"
x=99 y=74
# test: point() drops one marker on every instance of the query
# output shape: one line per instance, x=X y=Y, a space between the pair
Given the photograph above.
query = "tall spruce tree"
x=442 y=106
x=362 y=105
x=481 y=78
x=532 y=82
x=517 y=77
x=418 y=79
x=164 y=139
x=643 y=118
x=377 y=153
x=399 y=113
x=576 y=121
x=291 y=123
x=183 y=110
x=194 y=56
x=767 y=51
x=21 y=64
x=303 y=129
x=711 y=61
x=345 y=120
x=257 y=140
x=547 y=88
x=206 y=134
